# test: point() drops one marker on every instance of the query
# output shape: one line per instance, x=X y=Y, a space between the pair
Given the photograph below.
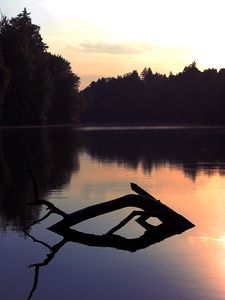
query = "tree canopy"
x=36 y=87
x=191 y=96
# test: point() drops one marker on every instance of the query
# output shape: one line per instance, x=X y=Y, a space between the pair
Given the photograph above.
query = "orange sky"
x=110 y=38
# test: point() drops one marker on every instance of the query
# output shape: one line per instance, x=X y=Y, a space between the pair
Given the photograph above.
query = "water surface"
x=183 y=167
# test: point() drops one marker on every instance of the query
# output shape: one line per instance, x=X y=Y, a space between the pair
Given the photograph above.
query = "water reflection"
x=183 y=168
x=52 y=155
x=151 y=236
x=172 y=224
x=192 y=150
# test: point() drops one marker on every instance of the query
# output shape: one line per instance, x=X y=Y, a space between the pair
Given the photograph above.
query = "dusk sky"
x=110 y=38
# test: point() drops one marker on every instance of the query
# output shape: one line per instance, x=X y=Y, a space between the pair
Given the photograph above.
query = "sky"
x=110 y=38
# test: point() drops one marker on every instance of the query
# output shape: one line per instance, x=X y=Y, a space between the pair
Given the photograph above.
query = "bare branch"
x=35 y=283
x=137 y=189
x=38 y=241
x=124 y=221
x=34 y=181
x=38 y=221
x=37 y=201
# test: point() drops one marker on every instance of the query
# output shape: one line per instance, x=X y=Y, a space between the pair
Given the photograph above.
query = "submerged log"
x=150 y=207
x=172 y=223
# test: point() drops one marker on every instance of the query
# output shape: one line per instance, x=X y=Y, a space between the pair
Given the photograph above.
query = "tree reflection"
x=52 y=155
x=151 y=236
x=192 y=150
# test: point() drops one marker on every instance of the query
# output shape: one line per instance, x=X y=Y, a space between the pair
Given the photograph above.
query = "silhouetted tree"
x=41 y=84
x=190 y=96
x=147 y=75
x=51 y=153
x=22 y=48
x=66 y=103
x=4 y=80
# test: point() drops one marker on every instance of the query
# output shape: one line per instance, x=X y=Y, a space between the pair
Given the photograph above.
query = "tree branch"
x=124 y=221
x=40 y=220
x=37 y=241
x=37 y=201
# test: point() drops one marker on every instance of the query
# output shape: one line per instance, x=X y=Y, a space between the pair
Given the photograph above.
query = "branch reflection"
x=152 y=235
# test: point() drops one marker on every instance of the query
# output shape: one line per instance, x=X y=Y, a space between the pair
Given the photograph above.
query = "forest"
x=36 y=87
x=191 y=96
x=40 y=88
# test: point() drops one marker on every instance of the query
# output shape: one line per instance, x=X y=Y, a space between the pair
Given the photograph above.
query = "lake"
x=184 y=167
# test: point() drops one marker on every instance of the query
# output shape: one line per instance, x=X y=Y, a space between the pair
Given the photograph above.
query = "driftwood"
x=150 y=207
x=154 y=234
x=172 y=223
x=53 y=250
x=38 y=201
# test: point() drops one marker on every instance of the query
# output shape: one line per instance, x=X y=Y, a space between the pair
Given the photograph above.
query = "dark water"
x=183 y=167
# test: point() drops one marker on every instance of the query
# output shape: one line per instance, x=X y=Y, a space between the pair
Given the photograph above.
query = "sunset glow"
x=201 y=200
x=108 y=39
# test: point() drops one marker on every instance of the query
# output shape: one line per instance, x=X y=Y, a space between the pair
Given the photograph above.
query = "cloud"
x=112 y=48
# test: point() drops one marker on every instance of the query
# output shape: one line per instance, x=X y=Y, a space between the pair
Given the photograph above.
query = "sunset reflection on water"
x=183 y=169
x=201 y=199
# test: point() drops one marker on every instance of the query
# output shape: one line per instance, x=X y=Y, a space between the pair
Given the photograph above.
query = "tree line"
x=53 y=156
x=36 y=87
x=191 y=96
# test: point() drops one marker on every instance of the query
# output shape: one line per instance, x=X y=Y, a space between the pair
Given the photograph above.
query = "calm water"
x=183 y=167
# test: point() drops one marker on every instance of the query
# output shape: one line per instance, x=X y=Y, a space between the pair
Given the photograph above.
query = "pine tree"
x=23 y=50
x=66 y=103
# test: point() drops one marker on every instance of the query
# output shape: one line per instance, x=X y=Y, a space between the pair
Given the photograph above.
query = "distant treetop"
x=190 y=96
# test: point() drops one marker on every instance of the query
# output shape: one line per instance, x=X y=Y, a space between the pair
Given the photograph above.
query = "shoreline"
x=119 y=126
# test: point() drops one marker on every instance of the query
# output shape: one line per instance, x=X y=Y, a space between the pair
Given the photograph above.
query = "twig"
x=38 y=221
x=35 y=283
x=137 y=189
x=38 y=241
x=31 y=173
x=50 y=206
x=124 y=221
x=53 y=250
x=37 y=201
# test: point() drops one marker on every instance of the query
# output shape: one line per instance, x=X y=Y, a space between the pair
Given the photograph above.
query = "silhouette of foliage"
x=191 y=150
x=191 y=96
x=53 y=156
x=65 y=100
x=42 y=88
x=4 y=78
